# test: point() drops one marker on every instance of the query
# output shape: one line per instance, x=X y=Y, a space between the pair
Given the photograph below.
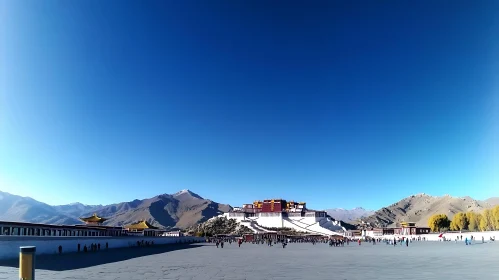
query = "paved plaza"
x=421 y=260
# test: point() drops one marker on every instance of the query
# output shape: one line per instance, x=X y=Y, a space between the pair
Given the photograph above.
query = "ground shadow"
x=72 y=261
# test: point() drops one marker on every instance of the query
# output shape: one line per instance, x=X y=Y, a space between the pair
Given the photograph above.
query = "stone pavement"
x=421 y=260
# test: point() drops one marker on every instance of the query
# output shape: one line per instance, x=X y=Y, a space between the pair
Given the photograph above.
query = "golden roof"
x=94 y=219
x=140 y=225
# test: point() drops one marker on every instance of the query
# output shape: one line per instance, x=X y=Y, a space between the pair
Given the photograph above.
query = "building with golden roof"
x=93 y=220
x=142 y=227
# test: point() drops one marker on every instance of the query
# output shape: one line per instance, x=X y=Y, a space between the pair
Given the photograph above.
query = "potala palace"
x=278 y=213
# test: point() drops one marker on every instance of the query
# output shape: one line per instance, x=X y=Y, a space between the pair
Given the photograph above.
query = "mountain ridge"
x=349 y=215
x=185 y=209
x=179 y=210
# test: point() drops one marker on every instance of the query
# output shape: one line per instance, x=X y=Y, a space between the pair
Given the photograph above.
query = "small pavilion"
x=93 y=220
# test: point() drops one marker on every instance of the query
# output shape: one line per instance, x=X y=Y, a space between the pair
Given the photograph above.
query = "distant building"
x=406 y=228
x=143 y=228
x=279 y=213
x=375 y=232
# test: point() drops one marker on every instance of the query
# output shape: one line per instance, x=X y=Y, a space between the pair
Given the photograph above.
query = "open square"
x=421 y=260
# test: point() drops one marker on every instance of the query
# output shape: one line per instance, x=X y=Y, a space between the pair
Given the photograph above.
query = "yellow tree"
x=473 y=220
x=486 y=220
x=495 y=217
x=432 y=223
x=459 y=222
x=438 y=222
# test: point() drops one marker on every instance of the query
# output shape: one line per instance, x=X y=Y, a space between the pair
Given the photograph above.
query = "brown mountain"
x=419 y=208
x=179 y=210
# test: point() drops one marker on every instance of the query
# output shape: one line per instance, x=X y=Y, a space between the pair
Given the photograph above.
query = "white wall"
x=452 y=236
x=270 y=222
x=9 y=245
x=314 y=224
x=331 y=225
x=300 y=226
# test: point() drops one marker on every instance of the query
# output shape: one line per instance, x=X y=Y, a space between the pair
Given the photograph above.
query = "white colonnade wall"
x=9 y=245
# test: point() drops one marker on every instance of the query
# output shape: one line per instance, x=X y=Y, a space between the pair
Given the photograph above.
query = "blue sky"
x=337 y=103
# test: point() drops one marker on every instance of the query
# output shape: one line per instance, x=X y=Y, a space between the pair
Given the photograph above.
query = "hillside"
x=418 y=208
x=180 y=210
x=25 y=209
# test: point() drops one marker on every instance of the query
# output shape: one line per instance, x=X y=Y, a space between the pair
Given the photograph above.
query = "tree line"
x=488 y=220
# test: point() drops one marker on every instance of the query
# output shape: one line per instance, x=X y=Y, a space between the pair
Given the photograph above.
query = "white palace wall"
x=309 y=223
x=270 y=220
x=9 y=245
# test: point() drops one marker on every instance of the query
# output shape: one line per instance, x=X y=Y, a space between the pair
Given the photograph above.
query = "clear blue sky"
x=337 y=103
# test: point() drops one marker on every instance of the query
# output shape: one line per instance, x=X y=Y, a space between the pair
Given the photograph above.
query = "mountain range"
x=185 y=209
x=180 y=210
x=349 y=215
x=419 y=208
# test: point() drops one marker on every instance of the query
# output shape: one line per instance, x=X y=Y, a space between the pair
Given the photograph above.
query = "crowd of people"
x=469 y=241
x=331 y=241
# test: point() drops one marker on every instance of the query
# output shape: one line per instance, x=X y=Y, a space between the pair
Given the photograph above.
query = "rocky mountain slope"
x=25 y=209
x=419 y=208
x=180 y=210
x=349 y=215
